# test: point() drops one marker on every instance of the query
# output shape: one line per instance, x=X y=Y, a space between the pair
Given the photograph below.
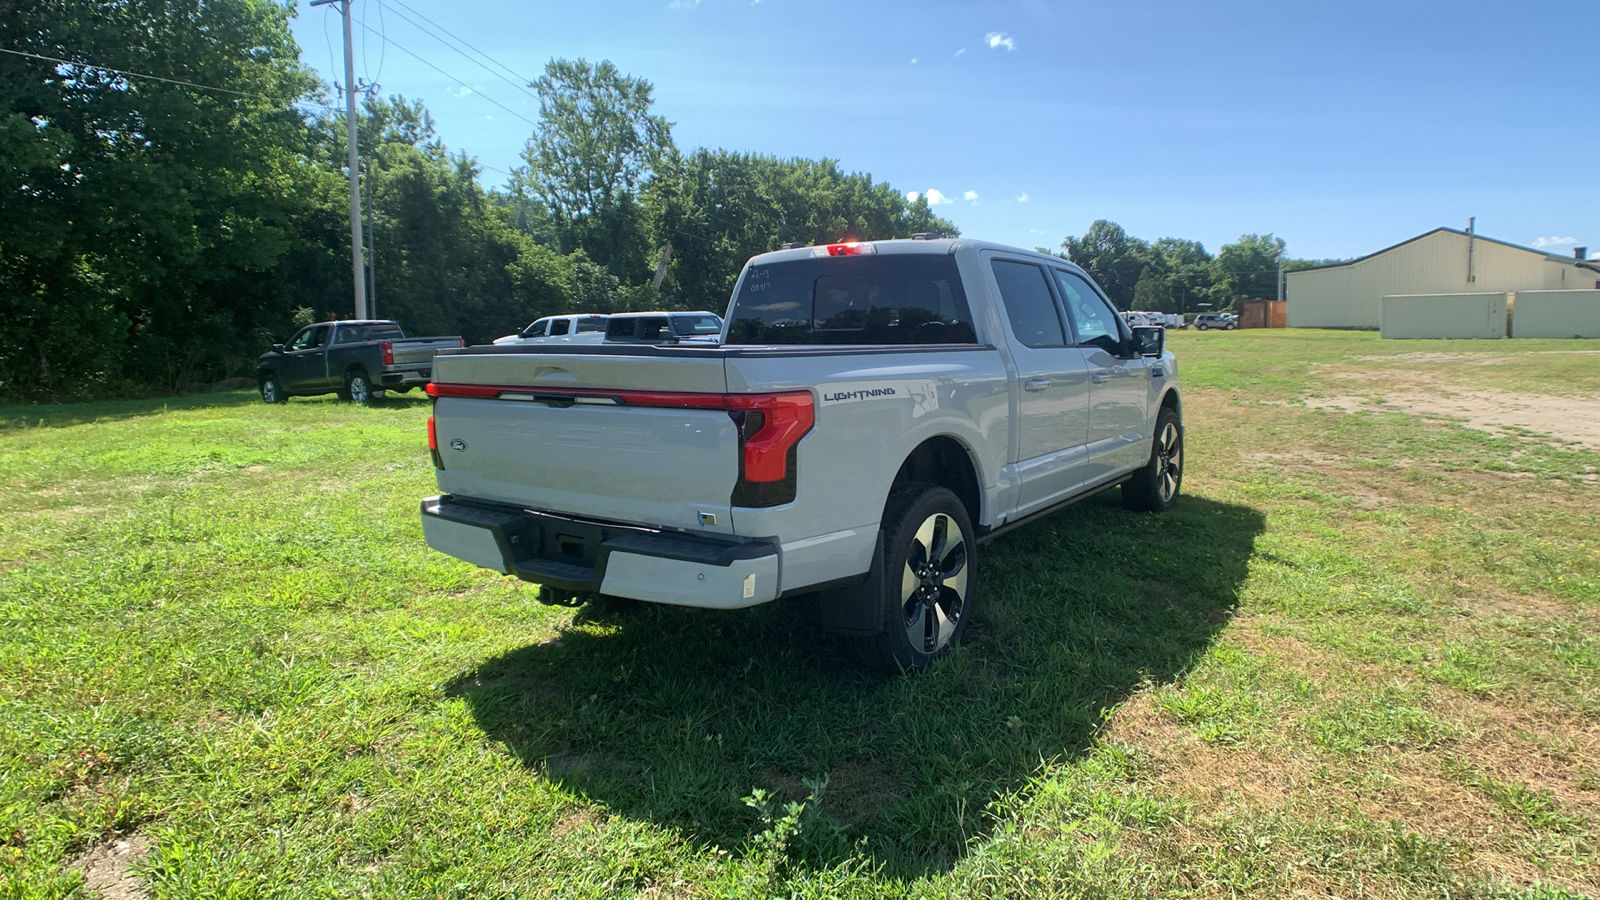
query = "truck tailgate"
x=540 y=430
x=413 y=351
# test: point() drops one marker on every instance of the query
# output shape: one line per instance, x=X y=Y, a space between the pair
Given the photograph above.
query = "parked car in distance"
x=875 y=411
x=358 y=359
x=1224 y=321
x=579 y=328
x=699 y=327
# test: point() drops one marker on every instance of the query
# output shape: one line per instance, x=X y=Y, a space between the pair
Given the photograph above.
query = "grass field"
x=1359 y=659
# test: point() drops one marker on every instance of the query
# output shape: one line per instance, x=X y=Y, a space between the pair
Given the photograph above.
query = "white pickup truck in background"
x=874 y=412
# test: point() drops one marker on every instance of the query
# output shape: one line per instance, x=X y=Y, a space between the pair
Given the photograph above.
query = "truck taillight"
x=433 y=444
x=388 y=352
x=770 y=429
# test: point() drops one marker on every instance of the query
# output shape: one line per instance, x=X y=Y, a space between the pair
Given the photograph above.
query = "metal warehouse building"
x=1442 y=261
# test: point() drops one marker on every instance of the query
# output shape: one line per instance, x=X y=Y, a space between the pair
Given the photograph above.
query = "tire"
x=1154 y=488
x=1229 y=327
x=271 y=390
x=1201 y=327
x=924 y=607
x=357 y=387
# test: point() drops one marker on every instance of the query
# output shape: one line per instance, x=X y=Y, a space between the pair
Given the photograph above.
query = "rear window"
x=591 y=324
x=688 y=325
x=382 y=331
x=889 y=299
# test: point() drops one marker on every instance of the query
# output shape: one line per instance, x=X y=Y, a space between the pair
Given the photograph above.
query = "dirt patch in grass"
x=857 y=789
x=1568 y=419
x=1185 y=765
x=572 y=821
x=106 y=868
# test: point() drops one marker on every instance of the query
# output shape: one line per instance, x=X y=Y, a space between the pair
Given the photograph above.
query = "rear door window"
x=559 y=326
x=591 y=324
x=1030 y=306
x=880 y=299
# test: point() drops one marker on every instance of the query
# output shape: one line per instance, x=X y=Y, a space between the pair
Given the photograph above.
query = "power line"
x=469 y=87
x=127 y=74
x=525 y=80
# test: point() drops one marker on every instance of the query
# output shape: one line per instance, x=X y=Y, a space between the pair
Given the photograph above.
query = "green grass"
x=1360 y=658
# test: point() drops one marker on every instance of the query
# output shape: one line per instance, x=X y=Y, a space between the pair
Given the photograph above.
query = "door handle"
x=1036 y=384
x=1100 y=377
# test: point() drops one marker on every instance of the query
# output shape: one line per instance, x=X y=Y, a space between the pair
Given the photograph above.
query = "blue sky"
x=1342 y=127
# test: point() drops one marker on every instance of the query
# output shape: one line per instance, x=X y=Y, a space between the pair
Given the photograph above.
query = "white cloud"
x=915 y=60
x=1037 y=231
x=961 y=51
x=996 y=40
x=683 y=4
x=463 y=92
x=1023 y=197
x=1543 y=242
x=970 y=197
x=936 y=197
x=911 y=196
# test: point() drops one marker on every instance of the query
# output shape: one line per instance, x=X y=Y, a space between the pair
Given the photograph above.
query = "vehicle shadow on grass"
x=674 y=715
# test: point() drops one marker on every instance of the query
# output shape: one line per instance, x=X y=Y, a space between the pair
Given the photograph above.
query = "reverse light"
x=388 y=352
x=848 y=248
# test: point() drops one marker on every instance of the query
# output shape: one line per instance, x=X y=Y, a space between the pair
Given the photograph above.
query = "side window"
x=536 y=329
x=1094 y=321
x=559 y=326
x=591 y=324
x=309 y=338
x=1029 y=305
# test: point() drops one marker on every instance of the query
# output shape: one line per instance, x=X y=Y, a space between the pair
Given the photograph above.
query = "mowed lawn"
x=1359 y=659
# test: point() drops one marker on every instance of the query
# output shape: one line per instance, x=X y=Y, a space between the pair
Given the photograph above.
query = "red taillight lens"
x=433 y=435
x=388 y=353
x=785 y=419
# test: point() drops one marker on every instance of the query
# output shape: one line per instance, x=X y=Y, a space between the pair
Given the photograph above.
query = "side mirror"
x=1149 y=340
x=277 y=348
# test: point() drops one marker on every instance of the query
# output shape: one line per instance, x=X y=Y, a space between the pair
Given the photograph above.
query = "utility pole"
x=358 y=266
x=372 y=234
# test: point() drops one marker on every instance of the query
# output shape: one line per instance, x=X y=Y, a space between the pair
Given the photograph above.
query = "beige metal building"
x=1443 y=261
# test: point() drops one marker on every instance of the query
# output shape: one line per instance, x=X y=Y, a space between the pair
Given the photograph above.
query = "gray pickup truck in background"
x=873 y=413
x=358 y=359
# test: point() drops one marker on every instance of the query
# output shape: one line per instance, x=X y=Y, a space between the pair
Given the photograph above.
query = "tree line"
x=176 y=200
x=1174 y=275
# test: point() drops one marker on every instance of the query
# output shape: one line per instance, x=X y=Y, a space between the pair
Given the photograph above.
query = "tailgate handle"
x=559 y=401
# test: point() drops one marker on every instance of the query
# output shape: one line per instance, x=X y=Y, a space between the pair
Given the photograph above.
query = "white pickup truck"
x=874 y=412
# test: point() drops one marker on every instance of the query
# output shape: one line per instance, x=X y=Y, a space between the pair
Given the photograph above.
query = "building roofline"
x=1553 y=257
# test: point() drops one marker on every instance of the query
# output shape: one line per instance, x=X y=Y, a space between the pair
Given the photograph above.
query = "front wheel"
x=925 y=589
x=1154 y=488
x=271 y=390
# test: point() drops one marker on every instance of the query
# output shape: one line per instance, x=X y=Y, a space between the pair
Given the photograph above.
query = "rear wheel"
x=357 y=389
x=1154 y=488
x=1201 y=327
x=925 y=590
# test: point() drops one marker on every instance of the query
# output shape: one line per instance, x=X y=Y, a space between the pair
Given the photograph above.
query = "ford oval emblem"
x=458 y=444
